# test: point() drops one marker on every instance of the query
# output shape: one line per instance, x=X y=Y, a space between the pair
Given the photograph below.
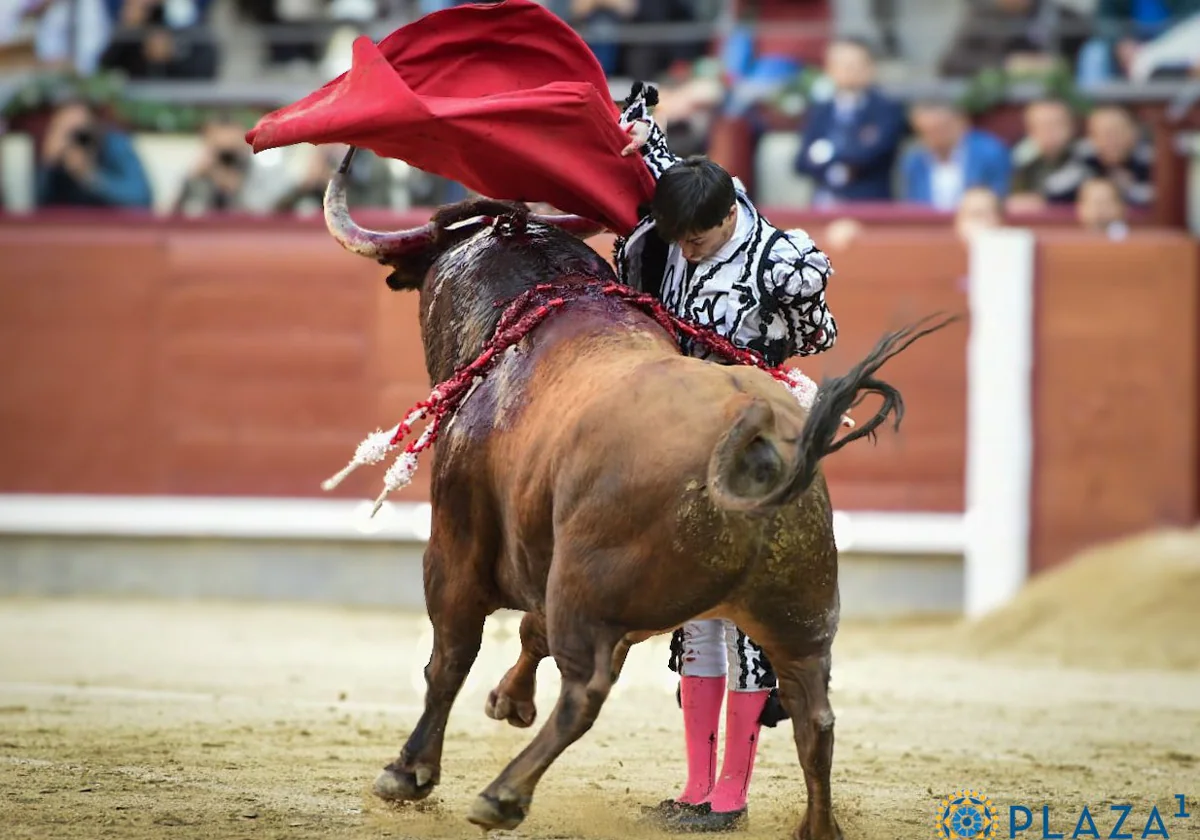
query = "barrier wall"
x=249 y=359
x=1115 y=385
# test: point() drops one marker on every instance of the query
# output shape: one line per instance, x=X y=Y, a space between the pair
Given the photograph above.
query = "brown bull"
x=612 y=489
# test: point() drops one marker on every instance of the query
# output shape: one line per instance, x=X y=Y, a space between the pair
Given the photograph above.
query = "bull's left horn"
x=376 y=245
x=576 y=225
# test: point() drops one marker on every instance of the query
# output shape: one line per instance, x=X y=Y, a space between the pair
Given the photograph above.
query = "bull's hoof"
x=519 y=713
x=397 y=785
x=488 y=812
x=806 y=831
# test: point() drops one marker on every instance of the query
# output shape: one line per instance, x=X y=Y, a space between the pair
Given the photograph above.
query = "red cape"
x=503 y=98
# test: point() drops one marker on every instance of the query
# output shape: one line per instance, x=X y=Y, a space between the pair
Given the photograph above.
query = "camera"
x=231 y=159
x=83 y=137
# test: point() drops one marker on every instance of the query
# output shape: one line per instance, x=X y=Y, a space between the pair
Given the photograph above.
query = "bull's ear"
x=405 y=279
x=409 y=270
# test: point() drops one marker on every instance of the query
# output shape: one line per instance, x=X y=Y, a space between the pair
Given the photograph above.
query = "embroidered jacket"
x=763 y=290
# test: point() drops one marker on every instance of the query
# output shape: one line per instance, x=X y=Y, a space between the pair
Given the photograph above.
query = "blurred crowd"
x=175 y=39
x=861 y=145
x=142 y=38
x=86 y=162
x=856 y=143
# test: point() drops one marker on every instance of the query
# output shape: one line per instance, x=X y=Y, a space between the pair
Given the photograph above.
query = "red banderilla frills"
x=520 y=318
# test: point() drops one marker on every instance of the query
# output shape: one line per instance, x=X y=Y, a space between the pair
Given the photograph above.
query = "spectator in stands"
x=597 y=21
x=851 y=140
x=978 y=209
x=1115 y=149
x=368 y=184
x=157 y=39
x=287 y=48
x=347 y=20
x=1122 y=27
x=1046 y=166
x=686 y=109
x=1100 y=208
x=1018 y=35
x=85 y=163
x=227 y=178
x=65 y=34
x=219 y=179
x=1173 y=55
x=950 y=157
x=653 y=60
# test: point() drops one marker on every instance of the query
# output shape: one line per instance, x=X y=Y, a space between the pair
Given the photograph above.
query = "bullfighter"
x=703 y=248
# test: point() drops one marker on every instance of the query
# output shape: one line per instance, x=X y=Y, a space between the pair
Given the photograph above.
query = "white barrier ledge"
x=339 y=519
x=886 y=532
x=223 y=517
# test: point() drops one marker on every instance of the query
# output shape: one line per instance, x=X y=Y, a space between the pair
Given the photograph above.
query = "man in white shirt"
x=951 y=157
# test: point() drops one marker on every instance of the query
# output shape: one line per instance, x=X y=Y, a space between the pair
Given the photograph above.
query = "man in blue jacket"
x=850 y=140
x=951 y=157
x=87 y=164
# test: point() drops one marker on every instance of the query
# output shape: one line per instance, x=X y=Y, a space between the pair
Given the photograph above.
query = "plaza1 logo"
x=971 y=815
x=967 y=815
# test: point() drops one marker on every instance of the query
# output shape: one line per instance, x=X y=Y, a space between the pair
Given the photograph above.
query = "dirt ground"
x=155 y=720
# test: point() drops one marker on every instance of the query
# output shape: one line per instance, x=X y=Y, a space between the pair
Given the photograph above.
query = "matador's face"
x=702 y=245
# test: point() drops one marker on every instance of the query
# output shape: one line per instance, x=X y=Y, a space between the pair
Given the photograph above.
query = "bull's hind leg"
x=804 y=692
x=512 y=700
x=620 y=652
x=457 y=612
x=585 y=658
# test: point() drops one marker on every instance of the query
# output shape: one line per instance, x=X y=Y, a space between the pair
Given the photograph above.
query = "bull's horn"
x=376 y=245
x=577 y=225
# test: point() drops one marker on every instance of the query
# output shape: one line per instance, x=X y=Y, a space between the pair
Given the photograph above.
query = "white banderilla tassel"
x=373 y=449
x=400 y=474
x=370 y=451
x=805 y=392
x=802 y=388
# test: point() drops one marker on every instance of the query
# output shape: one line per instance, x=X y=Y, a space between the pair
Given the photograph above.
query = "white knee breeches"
x=717 y=648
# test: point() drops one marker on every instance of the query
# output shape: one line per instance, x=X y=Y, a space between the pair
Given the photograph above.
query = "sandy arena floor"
x=139 y=720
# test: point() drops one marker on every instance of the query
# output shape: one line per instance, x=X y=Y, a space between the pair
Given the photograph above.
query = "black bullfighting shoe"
x=703 y=819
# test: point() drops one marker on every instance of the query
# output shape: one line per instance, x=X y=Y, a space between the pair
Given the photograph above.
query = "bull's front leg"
x=512 y=700
x=457 y=610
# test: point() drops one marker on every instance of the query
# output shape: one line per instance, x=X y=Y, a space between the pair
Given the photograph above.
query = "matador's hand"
x=639 y=133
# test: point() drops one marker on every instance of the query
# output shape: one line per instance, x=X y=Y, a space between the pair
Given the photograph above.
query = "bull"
x=611 y=488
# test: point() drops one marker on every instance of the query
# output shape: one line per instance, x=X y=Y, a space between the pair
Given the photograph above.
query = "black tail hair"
x=838 y=395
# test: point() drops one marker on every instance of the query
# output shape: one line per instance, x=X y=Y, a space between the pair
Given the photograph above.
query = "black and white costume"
x=764 y=290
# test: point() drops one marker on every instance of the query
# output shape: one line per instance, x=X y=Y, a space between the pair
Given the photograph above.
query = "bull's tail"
x=750 y=470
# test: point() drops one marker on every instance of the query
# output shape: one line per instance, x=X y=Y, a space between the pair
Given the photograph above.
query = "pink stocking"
x=741 y=747
x=701 y=699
